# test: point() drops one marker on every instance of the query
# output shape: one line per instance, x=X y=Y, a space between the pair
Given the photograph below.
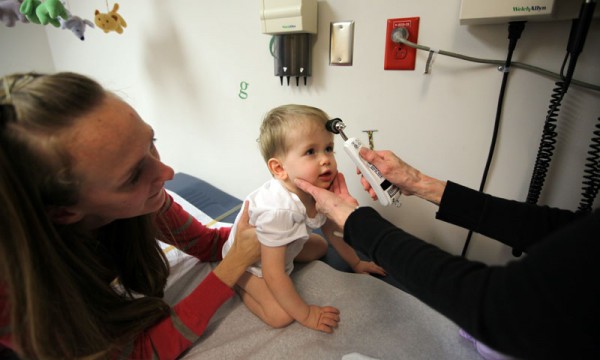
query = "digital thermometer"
x=387 y=193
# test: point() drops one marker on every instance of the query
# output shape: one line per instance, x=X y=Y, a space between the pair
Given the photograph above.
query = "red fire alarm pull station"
x=399 y=56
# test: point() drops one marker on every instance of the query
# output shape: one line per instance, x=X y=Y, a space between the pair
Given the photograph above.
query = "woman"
x=82 y=203
x=544 y=306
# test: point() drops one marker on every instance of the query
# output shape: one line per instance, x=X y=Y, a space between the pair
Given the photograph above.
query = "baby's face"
x=311 y=156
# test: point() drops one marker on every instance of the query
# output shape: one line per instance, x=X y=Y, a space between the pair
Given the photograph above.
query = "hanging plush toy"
x=110 y=21
x=49 y=11
x=28 y=9
x=76 y=24
x=10 y=13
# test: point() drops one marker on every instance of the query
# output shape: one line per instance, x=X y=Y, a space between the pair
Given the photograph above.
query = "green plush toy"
x=49 y=11
x=28 y=9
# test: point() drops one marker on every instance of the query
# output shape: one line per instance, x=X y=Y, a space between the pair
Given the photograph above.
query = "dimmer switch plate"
x=341 y=43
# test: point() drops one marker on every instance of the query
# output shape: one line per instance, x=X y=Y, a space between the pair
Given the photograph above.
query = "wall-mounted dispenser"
x=291 y=22
x=504 y=11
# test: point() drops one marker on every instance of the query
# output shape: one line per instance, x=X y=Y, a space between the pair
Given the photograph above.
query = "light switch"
x=341 y=43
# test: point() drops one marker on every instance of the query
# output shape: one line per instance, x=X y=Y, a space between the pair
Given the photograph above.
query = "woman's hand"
x=409 y=180
x=336 y=203
x=339 y=187
x=246 y=243
x=244 y=251
x=392 y=168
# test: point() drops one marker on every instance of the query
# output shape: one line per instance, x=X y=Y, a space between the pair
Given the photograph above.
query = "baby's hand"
x=323 y=318
x=368 y=267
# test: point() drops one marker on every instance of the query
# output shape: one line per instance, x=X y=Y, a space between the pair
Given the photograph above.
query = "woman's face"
x=120 y=170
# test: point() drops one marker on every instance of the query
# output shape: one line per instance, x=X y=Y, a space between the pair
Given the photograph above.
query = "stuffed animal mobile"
x=49 y=11
x=110 y=21
x=77 y=25
x=10 y=13
x=28 y=9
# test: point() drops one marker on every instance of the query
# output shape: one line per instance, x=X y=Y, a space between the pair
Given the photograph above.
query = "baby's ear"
x=276 y=168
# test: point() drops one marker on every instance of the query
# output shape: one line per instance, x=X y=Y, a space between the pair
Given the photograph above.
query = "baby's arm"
x=281 y=286
x=347 y=253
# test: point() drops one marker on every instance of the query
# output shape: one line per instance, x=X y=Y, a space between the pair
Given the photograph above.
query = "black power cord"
x=591 y=177
x=577 y=36
x=515 y=29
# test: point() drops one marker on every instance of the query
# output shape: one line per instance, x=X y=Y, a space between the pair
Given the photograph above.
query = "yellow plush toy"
x=110 y=21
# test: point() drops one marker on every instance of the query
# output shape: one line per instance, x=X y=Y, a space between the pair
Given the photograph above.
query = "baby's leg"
x=258 y=298
x=314 y=248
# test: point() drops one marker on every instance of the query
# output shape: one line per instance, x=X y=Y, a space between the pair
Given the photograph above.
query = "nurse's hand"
x=336 y=203
x=409 y=180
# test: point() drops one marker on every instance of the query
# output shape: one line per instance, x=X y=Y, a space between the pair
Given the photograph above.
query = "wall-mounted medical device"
x=504 y=11
x=291 y=22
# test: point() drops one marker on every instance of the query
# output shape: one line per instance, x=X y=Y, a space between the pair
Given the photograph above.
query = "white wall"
x=24 y=47
x=180 y=65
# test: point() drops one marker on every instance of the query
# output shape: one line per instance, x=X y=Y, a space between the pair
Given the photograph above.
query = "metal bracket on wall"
x=370 y=135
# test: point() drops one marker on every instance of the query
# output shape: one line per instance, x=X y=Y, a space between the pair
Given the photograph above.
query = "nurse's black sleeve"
x=543 y=306
x=513 y=223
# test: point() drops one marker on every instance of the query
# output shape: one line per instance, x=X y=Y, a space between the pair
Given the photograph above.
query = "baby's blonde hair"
x=278 y=122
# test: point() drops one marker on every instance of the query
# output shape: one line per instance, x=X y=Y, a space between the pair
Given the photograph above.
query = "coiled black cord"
x=591 y=177
x=577 y=37
x=547 y=142
x=547 y=145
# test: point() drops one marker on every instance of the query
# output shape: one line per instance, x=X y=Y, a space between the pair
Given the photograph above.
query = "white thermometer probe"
x=387 y=193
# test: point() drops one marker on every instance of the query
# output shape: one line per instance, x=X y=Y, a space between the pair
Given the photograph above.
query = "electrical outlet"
x=397 y=55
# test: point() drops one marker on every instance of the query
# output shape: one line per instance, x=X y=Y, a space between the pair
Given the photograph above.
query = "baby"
x=295 y=144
